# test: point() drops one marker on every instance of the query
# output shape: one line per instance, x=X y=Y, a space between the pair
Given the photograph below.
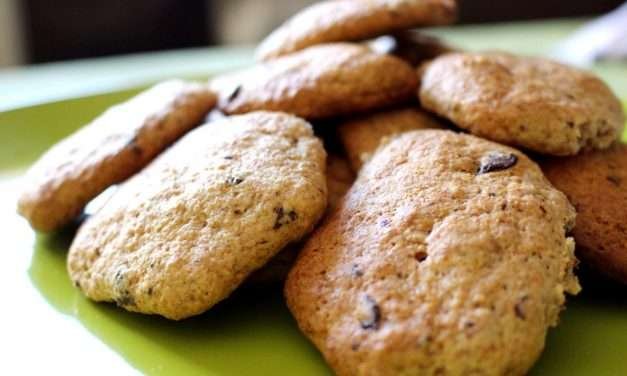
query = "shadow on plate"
x=252 y=332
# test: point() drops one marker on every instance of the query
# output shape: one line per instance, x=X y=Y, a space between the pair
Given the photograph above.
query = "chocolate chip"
x=150 y=291
x=229 y=157
x=234 y=93
x=233 y=180
x=283 y=217
x=292 y=215
x=119 y=276
x=125 y=300
x=496 y=161
x=614 y=180
x=356 y=271
x=420 y=256
x=373 y=318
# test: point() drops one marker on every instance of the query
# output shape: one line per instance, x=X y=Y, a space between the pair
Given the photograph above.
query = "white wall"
x=11 y=36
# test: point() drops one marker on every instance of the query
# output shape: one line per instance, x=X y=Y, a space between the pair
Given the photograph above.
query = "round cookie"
x=349 y=20
x=108 y=150
x=362 y=136
x=182 y=234
x=596 y=183
x=529 y=102
x=448 y=256
x=318 y=82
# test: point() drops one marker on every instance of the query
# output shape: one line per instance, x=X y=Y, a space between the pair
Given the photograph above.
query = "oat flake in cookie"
x=529 y=102
x=182 y=234
x=429 y=267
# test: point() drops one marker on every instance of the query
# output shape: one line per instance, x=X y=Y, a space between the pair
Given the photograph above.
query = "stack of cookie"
x=450 y=254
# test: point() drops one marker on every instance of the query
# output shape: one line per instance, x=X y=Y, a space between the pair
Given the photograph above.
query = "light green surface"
x=47 y=326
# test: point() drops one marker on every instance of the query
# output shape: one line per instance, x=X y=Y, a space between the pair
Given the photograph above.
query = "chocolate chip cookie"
x=448 y=256
x=349 y=20
x=596 y=183
x=108 y=150
x=182 y=234
x=529 y=102
x=363 y=135
x=318 y=82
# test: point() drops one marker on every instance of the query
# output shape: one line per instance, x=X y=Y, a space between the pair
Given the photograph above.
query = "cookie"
x=319 y=82
x=182 y=234
x=529 y=102
x=363 y=135
x=108 y=150
x=412 y=46
x=596 y=183
x=448 y=256
x=339 y=179
x=349 y=20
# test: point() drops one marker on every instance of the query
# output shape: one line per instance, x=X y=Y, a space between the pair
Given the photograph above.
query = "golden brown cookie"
x=182 y=234
x=448 y=256
x=108 y=150
x=318 y=82
x=340 y=177
x=363 y=135
x=350 y=20
x=596 y=183
x=531 y=102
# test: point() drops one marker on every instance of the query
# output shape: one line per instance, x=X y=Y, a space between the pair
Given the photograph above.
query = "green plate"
x=46 y=326
x=250 y=333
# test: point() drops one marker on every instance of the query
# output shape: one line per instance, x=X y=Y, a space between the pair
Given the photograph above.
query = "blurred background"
x=37 y=31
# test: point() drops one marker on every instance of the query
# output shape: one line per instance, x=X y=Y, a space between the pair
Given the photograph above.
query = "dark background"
x=70 y=29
